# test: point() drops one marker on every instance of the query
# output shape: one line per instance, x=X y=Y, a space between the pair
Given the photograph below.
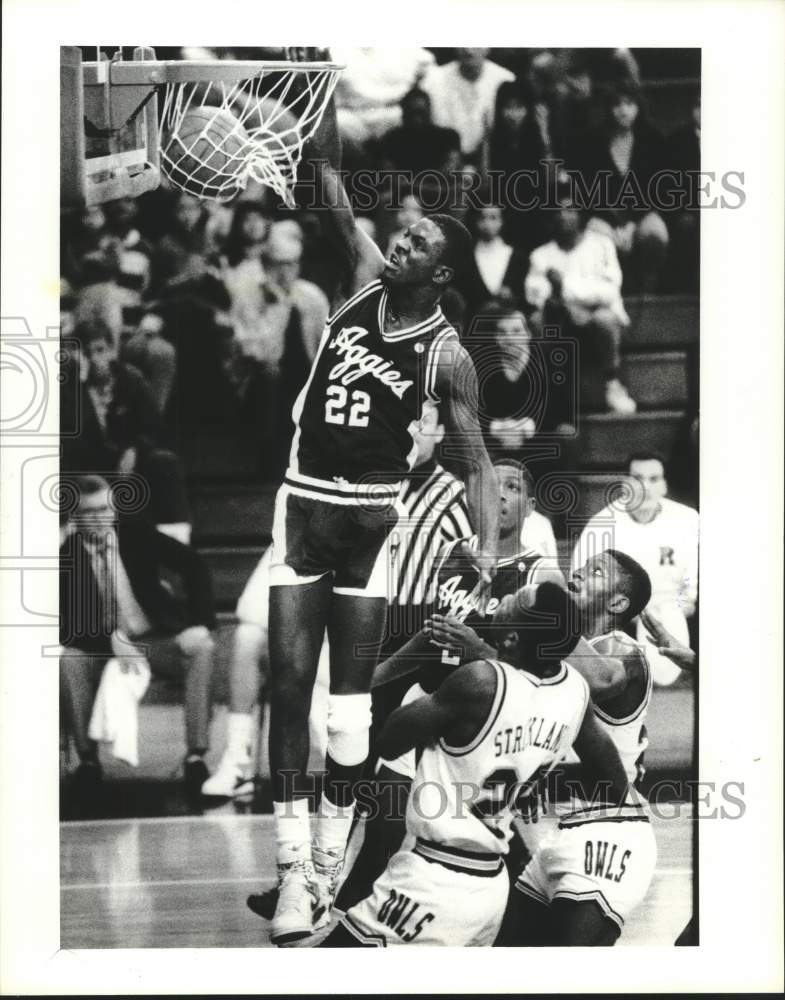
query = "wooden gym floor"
x=181 y=882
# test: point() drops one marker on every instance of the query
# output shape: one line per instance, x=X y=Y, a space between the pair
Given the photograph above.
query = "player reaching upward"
x=487 y=736
x=384 y=352
x=590 y=872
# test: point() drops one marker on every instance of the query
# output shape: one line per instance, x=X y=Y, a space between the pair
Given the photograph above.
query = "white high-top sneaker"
x=293 y=917
x=327 y=870
x=617 y=399
x=232 y=778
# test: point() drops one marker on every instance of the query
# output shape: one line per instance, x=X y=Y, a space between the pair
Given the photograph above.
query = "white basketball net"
x=277 y=111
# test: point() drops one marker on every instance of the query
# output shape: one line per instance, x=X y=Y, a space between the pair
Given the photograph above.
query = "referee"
x=436 y=513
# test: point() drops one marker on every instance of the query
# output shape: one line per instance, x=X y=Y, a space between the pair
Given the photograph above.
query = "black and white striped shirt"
x=436 y=512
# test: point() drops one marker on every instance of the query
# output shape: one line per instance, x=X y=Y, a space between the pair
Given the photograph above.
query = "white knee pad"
x=348 y=722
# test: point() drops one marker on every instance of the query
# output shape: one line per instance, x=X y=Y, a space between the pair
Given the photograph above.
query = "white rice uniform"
x=595 y=852
x=451 y=886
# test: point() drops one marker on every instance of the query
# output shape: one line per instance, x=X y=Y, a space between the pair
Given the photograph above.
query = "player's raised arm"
x=363 y=260
x=606 y=675
x=456 y=385
x=456 y=710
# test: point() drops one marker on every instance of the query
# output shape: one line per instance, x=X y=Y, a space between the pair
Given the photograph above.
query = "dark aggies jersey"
x=457 y=579
x=352 y=418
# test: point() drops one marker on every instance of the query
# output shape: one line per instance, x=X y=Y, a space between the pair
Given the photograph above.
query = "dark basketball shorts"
x=312 y=538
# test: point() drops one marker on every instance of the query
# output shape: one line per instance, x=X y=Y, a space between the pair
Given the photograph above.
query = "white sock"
x=239 y=736
x=333 y=824
x=292 y=831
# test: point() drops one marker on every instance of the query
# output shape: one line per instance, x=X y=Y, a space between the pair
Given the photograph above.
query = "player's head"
x=98 y=348
x=538 y=627
x=610 y=585
x=427 y=433
x=648 y=468
x=433 y=252
x=516 y=495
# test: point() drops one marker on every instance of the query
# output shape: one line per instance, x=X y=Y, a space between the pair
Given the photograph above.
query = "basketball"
x=206 y=154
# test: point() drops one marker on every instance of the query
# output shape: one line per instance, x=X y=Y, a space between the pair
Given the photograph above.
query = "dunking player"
x=589 y=873
x=383 y=354
x=487 y=736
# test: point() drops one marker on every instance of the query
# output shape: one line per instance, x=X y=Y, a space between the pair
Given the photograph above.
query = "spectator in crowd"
x=546 y=81
x=662 y=535
x=120 y=428
x=145 y=346
x=283 y=253
x=463 y=97
x=122 y=224
x=180 y=255
x=623 y=156
x=370 y=88
x=516 y=150
x=112 y=599
x=574 y=281
x=518 y=400
x=82 y=233
x=417 y=144
x=498 y=269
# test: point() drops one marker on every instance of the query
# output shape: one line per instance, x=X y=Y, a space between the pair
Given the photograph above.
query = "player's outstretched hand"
x=448 y=633
x=668 y=644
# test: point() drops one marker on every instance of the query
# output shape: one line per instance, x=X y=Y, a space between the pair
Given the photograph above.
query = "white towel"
x=115 y=717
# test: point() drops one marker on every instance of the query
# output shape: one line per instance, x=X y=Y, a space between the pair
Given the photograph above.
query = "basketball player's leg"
x=527 y=922
x=357 y=619
x=582 y=923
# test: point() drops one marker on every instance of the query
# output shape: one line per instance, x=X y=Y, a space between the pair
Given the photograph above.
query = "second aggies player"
x=385 y=352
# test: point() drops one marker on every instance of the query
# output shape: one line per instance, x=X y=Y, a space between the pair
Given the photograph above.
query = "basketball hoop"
x=216 y=135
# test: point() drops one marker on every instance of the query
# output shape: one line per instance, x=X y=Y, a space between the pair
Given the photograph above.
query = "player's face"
x=416 y=258
x=515 y=504
x=651 y=476
x=595 y=584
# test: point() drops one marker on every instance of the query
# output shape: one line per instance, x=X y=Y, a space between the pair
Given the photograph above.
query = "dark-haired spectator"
x=463 y=97
x=145 y=346
x=498 y=268
x=518 y=400
x=516 y=150
x=623 y=157
x=574 y=282
x=417 y=144
x=120 y=428
x=113 y=603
